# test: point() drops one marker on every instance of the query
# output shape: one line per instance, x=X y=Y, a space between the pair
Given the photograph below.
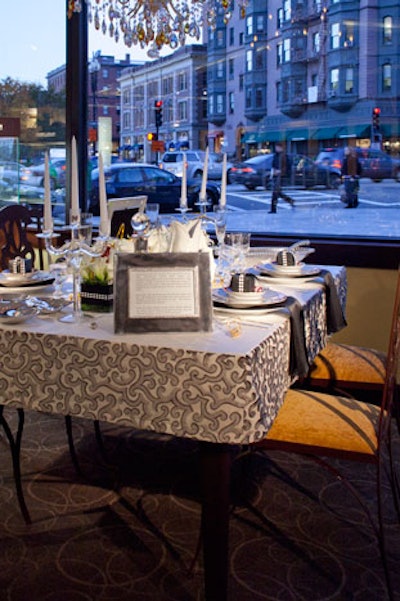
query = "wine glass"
x=59 y=269
x=220 y=224
x=152 y=212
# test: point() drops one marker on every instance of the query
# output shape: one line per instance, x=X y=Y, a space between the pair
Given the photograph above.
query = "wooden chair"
x=320 y=425
x=14 y=222
x=349 y=369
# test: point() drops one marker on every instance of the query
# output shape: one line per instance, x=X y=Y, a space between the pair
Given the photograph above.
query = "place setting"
x=289 y=264
x=245 y=294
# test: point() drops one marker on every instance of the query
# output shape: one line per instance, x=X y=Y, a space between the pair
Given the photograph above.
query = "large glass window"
x=387 y=77
x=335 y=36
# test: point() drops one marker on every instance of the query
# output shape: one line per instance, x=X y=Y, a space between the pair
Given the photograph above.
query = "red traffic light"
x=158 y=104
x=376 y=111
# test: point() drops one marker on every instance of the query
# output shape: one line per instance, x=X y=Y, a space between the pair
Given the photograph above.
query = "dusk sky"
x=32 y=39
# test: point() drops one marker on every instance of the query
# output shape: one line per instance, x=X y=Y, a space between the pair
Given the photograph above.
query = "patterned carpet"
x=128 y=529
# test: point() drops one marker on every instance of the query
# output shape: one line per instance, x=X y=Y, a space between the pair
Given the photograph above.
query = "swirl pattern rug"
x=127 y=527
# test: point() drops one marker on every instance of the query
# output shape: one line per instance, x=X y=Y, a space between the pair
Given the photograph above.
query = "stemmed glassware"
x=152 y=212
x=220 y=224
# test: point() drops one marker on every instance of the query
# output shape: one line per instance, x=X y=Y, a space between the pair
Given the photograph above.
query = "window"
x=249 y=61
x=335 y=36
x=259 y=62
x=334 y=81
x=241 y=82
x=348 y=34
x=241 y=39
x=260 y=23
x=278 y=92
x=220 y=104
x=220 y=69
x=279 y=54
x=182 y=81
x=387 y=30
x=279 y=17
x=316 y=42
x=220 y=38
x=231 y=102
x=248 y=98
x=249 y=25
x=211 y=104
x=349 y=81
x=231 y=36
x=287 y=10
x=286 y=51
x=126 y=120
x=259 y=98
x=386 y=77
x=126 y=96
x=182 y=111
x=231 y=68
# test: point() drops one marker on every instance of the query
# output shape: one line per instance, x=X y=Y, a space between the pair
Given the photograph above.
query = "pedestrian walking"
x=351 y=173
x=280 y=168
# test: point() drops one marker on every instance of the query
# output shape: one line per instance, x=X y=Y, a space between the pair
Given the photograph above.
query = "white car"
x=173 y=161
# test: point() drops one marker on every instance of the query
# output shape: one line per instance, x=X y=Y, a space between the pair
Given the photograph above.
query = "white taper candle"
x=47 y=216
x=104 y=221
x=222 y=201
x=75 y=211
x=183 y=201
x=203 y=191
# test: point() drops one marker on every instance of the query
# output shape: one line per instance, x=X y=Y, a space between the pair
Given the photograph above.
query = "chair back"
x=120 y=212
x=390 y=400
x=14 y=241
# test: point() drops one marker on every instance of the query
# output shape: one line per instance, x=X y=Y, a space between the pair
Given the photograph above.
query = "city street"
x=385 y=194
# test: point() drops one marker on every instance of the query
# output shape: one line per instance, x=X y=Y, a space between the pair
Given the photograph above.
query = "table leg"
x=215 y=480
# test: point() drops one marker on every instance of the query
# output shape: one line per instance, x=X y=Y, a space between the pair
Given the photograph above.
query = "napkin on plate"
x=334 y=312
x=188 y=237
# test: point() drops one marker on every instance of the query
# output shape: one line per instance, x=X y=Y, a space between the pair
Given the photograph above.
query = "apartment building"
x=307 y=72
x=179 y=81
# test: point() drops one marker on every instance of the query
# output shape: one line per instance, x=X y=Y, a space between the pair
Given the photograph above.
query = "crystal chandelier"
x=156 y=22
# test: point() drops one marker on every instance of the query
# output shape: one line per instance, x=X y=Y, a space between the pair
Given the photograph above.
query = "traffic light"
x=152 y=137
x=158 y=112
x=376 y=113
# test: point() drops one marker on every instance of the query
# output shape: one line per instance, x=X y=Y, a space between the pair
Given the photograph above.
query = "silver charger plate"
x=12 y=312
x=269 y=298
x=36 y=278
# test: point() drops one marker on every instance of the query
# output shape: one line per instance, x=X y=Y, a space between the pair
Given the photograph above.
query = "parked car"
x=163 y=187
x=173 y=161
x=376 y=164
x=305 y=173
x=34 y=176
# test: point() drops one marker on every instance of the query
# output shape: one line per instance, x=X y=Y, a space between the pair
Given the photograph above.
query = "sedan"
x=136 y=179
x=304 y=172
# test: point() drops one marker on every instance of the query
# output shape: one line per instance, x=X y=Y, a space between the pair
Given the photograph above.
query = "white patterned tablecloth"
x=205 y=386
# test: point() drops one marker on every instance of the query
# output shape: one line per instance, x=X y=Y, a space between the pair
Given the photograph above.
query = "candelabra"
x=74 y=250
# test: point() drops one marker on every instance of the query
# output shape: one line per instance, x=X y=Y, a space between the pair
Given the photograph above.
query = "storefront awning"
x=298 y=134
x=325 y=133
x=354 y=131
x=265 y=136
x=390 y=130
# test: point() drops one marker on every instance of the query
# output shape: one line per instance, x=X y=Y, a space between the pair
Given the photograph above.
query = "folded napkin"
x=188 y=237
x=299 y=365
x=334 y=312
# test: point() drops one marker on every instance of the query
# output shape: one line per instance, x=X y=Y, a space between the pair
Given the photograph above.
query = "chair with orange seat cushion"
x=322 y=425
x=349 y=369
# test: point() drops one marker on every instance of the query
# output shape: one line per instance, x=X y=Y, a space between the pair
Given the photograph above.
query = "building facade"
x=306 y=72
x=103 y=92
x=179 y=81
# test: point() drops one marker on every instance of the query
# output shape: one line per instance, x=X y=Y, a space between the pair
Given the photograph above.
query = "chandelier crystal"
x=155 y=22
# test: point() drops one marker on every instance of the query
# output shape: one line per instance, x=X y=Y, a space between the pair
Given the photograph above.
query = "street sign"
x=158 y=146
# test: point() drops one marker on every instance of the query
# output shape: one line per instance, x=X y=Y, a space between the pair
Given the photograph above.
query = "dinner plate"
x=306 y=271
x=269 y=298
x=36 y=278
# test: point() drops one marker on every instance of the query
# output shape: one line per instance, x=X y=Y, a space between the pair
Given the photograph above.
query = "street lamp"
x=94 y=68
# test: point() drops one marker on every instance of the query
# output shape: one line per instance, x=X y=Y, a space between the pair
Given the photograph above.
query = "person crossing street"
x=280 y=168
